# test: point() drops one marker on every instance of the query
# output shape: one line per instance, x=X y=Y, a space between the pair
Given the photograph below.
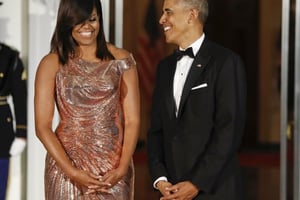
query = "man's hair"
x=200 y=5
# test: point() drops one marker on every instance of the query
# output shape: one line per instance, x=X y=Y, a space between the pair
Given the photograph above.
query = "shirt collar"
x=196 y=45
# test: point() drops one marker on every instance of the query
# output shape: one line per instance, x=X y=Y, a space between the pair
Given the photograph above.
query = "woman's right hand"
x=92 y=182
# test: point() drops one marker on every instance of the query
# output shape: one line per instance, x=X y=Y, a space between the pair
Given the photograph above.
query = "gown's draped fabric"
x=90 y=128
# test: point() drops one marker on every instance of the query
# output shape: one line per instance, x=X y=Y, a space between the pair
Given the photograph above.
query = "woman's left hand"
x=112 y=177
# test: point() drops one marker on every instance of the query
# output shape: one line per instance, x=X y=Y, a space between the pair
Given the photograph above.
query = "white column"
x=42 y=17
x=119 y=22
x=105 y=11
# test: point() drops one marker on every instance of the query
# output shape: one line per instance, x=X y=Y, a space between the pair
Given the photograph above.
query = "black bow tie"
x=187 y=52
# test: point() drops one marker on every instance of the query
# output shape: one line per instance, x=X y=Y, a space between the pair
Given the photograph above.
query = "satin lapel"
x=170 y=102
x=197 y=68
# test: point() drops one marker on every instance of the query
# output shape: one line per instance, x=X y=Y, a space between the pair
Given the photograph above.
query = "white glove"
x=17 y=146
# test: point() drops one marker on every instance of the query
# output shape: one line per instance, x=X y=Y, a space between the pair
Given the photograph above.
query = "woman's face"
x=85 y=34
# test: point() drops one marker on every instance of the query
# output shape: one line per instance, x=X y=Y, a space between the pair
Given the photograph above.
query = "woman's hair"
x=71 y=13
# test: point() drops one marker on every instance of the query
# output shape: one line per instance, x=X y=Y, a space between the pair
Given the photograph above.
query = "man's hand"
x=181 y=191
x=17 y=146
x=162 y=186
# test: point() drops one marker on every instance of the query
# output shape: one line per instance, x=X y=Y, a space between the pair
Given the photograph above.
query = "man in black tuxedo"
x=198 y=111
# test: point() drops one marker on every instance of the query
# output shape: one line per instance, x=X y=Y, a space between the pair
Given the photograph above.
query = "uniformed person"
x=13 y=84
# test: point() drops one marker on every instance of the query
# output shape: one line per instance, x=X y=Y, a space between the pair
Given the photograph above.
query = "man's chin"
x=168 y=40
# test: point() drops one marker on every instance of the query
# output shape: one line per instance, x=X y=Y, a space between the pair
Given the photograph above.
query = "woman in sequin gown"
x=95 y=88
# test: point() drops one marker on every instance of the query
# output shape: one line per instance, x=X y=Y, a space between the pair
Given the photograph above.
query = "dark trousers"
x=4 y=162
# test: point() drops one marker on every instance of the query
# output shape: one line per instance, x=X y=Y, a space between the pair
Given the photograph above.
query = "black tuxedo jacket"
x=200 y=144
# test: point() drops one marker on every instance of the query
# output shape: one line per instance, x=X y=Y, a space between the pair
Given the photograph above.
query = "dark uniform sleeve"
x=13 y=80
x=19 y=94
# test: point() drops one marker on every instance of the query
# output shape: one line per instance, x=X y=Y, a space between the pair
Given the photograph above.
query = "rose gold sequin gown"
x=90 y=128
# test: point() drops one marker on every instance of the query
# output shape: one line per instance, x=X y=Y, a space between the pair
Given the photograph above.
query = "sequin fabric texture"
x=90 y=127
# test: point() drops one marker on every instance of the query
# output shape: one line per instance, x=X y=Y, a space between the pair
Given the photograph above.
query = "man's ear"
x=194 y=14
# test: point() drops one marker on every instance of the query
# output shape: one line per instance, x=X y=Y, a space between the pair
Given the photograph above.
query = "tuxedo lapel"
x=199 y=64
x=171 y=107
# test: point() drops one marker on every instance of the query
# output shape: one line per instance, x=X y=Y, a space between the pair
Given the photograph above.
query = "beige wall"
x=269 y=60
x=134 y=15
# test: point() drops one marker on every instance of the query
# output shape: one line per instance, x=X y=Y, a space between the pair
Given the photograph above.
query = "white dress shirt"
x=182 y=69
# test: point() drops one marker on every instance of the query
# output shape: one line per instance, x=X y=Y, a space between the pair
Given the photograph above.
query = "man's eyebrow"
x=167 y=9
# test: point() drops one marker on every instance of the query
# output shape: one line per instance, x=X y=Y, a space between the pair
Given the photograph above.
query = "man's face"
x=174 y=21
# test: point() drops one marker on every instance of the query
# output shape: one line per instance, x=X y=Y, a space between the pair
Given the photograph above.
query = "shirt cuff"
x=162 y=178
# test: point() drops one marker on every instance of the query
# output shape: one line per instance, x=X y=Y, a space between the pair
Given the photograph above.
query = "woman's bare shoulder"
x=50 y=60
x=118 y=53
x=49 y=64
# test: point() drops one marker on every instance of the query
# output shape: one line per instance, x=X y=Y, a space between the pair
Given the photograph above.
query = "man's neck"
x=190 y=40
